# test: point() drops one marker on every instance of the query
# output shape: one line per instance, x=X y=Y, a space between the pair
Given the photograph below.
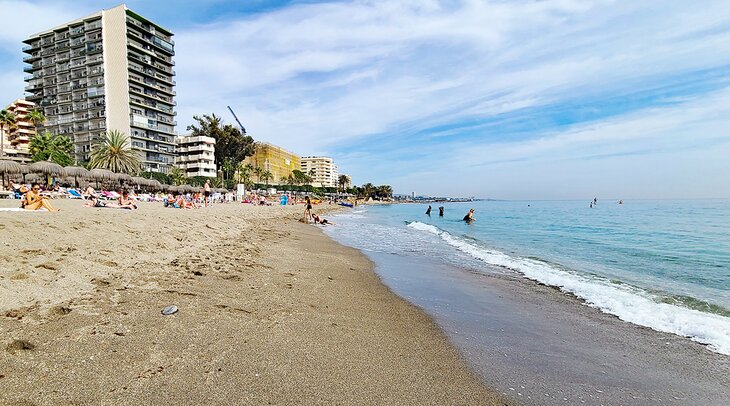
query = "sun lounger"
x=74 y=194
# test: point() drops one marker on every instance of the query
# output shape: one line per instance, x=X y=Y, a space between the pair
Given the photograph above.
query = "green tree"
x=45 y=146
x=342 y=181
x=368 y=190
x=159 y=176
x=266 y=176
x=227 y=168
x=383 y=191
x=7 y=122
x=36 y=117
x=113 y=152
x=245 y=171
x=177 y=175
x=229 y=142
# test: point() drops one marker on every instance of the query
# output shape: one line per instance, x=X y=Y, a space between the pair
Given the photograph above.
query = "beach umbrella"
x=123 y=177
x=100 y=175
x=76 y=172
x=140 y=181
x=48 y=168
x=9 y=167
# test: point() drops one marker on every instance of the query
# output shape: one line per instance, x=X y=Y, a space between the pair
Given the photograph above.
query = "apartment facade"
x=112 y=70
x=274 y=159
x=322 y=169
x=16 y=140
x=196 y=155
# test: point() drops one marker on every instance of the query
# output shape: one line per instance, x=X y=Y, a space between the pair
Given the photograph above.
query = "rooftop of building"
x=95 y=15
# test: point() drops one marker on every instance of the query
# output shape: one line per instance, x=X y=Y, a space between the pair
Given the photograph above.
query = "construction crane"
x=243 y=130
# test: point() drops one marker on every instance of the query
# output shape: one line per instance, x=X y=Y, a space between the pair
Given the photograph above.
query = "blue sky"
x=505 y=99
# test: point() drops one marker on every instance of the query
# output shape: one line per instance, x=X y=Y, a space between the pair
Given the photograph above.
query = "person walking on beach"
x=428 y=211
x=469 y=216
x=441 y=211
x=206 y=192
x=308 y=210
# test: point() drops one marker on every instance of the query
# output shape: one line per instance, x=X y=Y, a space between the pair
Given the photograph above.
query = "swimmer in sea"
x=428 y=211
x=469 y=216
x=441 y=211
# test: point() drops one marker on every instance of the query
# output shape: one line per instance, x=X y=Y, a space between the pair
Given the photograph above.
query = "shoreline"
x=270 y=310
x=549 y=345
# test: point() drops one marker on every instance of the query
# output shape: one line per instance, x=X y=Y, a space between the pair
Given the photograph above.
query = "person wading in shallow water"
x=441 y=211
x=469 y=216
x=428 y=211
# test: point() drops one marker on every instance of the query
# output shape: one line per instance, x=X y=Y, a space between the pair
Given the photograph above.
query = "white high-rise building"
x=111 y=70
x=322 y=169
x=196 y=155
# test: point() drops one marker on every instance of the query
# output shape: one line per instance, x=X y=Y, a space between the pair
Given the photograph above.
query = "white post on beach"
x=240 y=192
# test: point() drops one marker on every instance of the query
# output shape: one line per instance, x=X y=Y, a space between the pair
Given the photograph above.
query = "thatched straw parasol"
x=48 y=168
x=123 y=177
x=140 y=181
x=9 y=167
x=101 y=174
x=76 y=172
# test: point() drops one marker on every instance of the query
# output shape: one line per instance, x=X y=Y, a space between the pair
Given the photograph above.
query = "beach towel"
x=18 y=209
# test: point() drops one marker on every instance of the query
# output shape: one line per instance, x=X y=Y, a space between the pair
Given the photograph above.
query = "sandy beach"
x=271 y=311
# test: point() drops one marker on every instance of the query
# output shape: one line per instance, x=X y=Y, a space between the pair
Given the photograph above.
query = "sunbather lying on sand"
x=318 y=220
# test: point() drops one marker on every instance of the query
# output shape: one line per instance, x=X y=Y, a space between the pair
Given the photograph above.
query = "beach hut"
x=76 y=172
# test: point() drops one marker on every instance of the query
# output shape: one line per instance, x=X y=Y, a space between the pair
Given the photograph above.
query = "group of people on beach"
x=308 y=215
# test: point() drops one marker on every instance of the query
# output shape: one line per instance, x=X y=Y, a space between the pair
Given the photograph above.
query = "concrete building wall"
x=116 y=77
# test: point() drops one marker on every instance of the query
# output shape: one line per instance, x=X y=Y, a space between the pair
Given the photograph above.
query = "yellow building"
x=17 y=139
x=276 y=160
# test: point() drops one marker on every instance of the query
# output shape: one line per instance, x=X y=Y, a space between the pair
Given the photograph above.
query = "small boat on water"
x=345 y=204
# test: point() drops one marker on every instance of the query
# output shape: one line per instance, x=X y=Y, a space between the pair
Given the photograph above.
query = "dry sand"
x=271 y=311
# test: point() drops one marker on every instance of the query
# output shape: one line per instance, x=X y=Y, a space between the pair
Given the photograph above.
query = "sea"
x=662 y=264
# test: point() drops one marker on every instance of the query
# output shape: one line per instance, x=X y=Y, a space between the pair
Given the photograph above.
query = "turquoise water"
x=661 y=264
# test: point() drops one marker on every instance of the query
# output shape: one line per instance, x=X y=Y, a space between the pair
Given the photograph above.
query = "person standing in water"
x=428 y=211
x=441 y=211
x=469 y=216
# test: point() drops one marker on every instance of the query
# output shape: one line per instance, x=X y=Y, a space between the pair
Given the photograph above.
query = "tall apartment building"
x=15 y=142
x=276 y=160
x=196 y=155
x=323 y=170
x=111 y=70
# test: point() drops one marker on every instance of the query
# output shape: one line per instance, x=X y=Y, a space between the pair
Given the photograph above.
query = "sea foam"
x=628 y=303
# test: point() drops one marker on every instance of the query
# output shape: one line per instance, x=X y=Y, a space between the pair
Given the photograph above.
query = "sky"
x=495 y=99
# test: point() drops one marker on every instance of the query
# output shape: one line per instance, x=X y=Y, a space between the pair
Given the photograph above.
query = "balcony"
x=32 y=57
x=77 y=31
x=33 y=67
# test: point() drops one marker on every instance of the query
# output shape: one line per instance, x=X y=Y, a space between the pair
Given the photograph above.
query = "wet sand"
x=270 y=311
x=549 y=348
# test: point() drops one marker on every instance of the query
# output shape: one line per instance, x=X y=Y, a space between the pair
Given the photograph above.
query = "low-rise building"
x=274 y=159
x=322 y=169
x=16 y=139
x=196 y=155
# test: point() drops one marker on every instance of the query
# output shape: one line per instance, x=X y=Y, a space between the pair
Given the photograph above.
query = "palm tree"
x=343 y=180
x=266 y=176
x=113 y=152
x=45 y=146
x=37 y=118
x=244 y=174
x=177 y=175
x=7 y=121
x=368 y=190
x=257 y=171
